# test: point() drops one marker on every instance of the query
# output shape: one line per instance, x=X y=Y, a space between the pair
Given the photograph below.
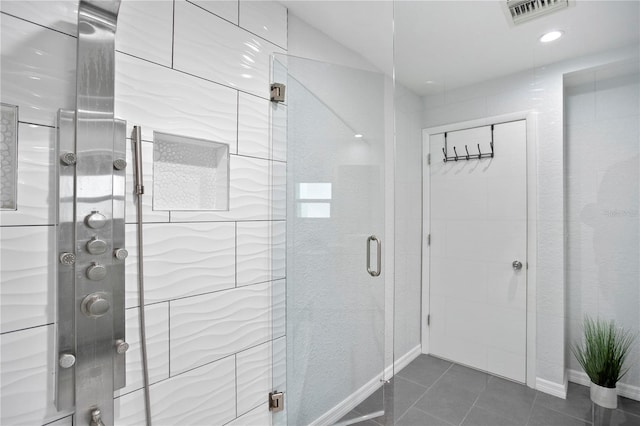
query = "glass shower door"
x=335 y=312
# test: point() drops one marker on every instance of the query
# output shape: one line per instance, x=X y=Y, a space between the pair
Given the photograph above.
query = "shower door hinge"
x=276 y=401
x=277 y=92
x=429 y=159
x=428 y=320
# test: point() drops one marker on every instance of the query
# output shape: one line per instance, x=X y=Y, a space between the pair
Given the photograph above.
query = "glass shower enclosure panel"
x=335 y=315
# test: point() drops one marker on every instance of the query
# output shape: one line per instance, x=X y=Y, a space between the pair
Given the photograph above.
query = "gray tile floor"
x=434 y=392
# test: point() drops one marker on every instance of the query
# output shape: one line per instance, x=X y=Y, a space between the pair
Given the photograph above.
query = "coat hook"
x=445 y=155
x=479 y=152
x=491 y=143
x=456 y=151
x=466 y=149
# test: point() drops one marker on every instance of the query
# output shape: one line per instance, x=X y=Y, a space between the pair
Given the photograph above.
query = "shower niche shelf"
x=8 y=157
x=189 y=174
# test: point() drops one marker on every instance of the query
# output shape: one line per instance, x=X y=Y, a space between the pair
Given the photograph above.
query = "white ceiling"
x=456 y=43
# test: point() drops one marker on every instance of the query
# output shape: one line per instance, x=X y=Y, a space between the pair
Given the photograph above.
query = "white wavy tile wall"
x=254 y=257
x=26 y=294
x=253 y=15
x=279 y=131
x=26 y=368
x=145 y=30
x=241 y=58
x=278 y=311
x=249 y=194
x=202 y=396
x=212 y=303
x=212 y=326
x=58 y=15
x=278 y=249
x=158 y=98
x=253 y=126
x=157 y=329
x=259 y=416
x=148 y=214
x=226 y=9
x=254 y=376
x=181 y=259
x=37 y=70
x=36 y=178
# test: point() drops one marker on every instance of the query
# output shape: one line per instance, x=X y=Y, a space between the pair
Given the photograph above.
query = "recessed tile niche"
x=8 y=156
x=189 y=173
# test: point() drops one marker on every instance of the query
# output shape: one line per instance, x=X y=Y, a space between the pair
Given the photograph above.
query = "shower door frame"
x=532 y=202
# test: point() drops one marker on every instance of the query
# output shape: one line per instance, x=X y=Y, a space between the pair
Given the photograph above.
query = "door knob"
x=517 y=265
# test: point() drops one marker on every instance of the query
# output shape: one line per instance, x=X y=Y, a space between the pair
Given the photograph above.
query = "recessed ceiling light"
x=357 y=135
x=429 y=81
x=550 y=36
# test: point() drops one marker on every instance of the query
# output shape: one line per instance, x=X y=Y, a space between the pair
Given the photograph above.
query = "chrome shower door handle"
x=374 y=273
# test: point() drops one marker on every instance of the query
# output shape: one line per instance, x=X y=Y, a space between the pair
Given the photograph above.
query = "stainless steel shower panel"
x=77 y=258
x=92 y=210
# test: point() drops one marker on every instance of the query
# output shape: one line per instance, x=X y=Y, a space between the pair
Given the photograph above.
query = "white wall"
x=408 y=221
x=602 y=134
x=212 y=284
x=539 y=90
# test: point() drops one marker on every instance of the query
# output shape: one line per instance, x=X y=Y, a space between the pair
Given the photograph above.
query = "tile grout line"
x=425 y=392
x=476 y=400
x=533 y=404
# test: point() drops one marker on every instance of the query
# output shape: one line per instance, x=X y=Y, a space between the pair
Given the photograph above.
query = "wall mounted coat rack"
x=467 y=155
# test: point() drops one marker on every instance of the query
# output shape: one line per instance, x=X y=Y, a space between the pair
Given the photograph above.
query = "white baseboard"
x=402 y=362
x=353 y=400
x=553 y=388
x=349 y=403
x=628 y=391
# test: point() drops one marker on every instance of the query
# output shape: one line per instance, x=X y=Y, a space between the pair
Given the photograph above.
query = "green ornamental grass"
x=604 y=351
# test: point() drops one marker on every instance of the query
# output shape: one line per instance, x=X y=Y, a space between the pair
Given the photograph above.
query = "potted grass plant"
x=602 y=356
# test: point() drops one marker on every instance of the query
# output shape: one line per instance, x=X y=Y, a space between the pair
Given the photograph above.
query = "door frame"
x=532 y=204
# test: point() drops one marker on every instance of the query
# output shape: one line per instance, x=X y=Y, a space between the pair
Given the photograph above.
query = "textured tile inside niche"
x=268 y=19
x=37 y=70
x=248 y=197
x=145 y=30
x=9 y=157
x=253 y=126
x=253 y=252
x=157 y=328
x=226 y=9
x=181 y=259
x=165 y=100
x=242 y=59
x=207 y=393
x=26 y=294
x=254 y=376
x=209 y=327
x=148 y=214
x=26 y=368
x=189 y=174
x=36 y=178
x=58 y=15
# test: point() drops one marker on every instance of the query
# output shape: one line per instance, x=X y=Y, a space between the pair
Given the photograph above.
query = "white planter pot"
x=604 y=397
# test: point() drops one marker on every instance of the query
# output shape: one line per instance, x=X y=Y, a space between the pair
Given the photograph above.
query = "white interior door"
x=478 y=228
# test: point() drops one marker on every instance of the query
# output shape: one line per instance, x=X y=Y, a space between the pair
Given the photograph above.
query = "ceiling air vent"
x=525 y=10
